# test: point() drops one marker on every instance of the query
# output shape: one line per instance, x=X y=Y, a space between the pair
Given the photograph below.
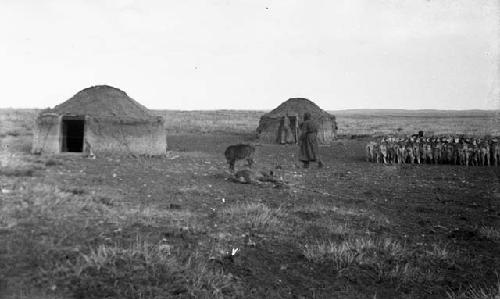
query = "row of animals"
x=435 y=150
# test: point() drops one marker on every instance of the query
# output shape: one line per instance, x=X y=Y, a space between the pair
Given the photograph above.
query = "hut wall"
x=46 y=137
x=269 y=130
x=126 y=137
x=326 y=134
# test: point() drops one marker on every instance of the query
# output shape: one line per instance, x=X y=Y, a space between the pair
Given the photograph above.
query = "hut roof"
x=103 y=101
x=298 y=106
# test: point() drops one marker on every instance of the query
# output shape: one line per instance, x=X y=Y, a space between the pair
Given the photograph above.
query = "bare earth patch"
x=121 y=227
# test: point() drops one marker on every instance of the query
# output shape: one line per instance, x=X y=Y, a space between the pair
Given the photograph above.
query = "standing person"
x=308 y=142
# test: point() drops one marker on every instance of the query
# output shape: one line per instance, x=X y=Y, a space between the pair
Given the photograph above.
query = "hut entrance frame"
x=294 y=125
x=72 y=133
x=288 y=129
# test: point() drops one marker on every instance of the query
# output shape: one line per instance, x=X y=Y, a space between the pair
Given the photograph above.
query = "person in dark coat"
x=308 y=142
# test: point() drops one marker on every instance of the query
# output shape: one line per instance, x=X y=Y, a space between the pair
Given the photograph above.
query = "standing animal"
x=449 y=153
x=445 y=151
x=237 y=152
x=484 y=154
x=437 y=150
x=401 y=153
x=455 y=156
x=495 y=153
x=416 y=152
x=474 y=154
x=409 y=154
x=391 y=152
x=464 y=154
x=371 y=151
x=427 y=153
x=382 y=153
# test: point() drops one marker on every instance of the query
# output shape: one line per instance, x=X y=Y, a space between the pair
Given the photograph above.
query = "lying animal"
x=247 y=176
x=239 y=152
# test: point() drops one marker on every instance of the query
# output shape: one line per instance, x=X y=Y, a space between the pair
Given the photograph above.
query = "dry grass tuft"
x=440 y=252
x=53 y=162
x=477 y=293
x=491 y=233
x=12 y=165
x=384 y=260
x=17 y=172
x=140 y=270
x=360 y=250
x=152 y=216
x=74 y=245
x=42 y=201
x=255 y=215
x=342 y=255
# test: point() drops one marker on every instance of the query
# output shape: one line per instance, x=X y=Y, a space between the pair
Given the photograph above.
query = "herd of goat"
x=435 y=150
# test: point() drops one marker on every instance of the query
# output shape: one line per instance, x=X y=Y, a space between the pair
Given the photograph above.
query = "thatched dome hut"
x=290 y=113
x=101 y=119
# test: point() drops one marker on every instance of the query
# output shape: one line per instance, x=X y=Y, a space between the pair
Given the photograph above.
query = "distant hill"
x=419 y=112
x=352 y=122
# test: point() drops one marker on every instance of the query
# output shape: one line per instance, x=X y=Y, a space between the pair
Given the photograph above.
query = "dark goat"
x=239 y=152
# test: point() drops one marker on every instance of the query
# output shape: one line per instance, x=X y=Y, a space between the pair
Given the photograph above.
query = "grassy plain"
x=120 y=227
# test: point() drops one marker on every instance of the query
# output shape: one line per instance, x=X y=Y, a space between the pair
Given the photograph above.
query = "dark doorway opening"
x=294 y=125
x=73 y=129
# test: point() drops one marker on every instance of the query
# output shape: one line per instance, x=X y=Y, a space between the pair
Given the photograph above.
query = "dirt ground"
x=352 y=229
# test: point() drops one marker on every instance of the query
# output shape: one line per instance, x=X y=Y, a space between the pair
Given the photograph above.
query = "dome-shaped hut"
x=281 y=125
x=99 y=119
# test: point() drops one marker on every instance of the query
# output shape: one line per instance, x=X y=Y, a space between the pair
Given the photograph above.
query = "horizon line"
x=264 y=109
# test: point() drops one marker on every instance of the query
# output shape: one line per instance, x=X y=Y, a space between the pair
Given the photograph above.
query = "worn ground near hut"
x=121 y=227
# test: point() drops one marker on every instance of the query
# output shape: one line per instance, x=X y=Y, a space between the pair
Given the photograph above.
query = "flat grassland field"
x=177 y=226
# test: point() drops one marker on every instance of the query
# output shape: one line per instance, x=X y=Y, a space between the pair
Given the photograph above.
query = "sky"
x=254 y=54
